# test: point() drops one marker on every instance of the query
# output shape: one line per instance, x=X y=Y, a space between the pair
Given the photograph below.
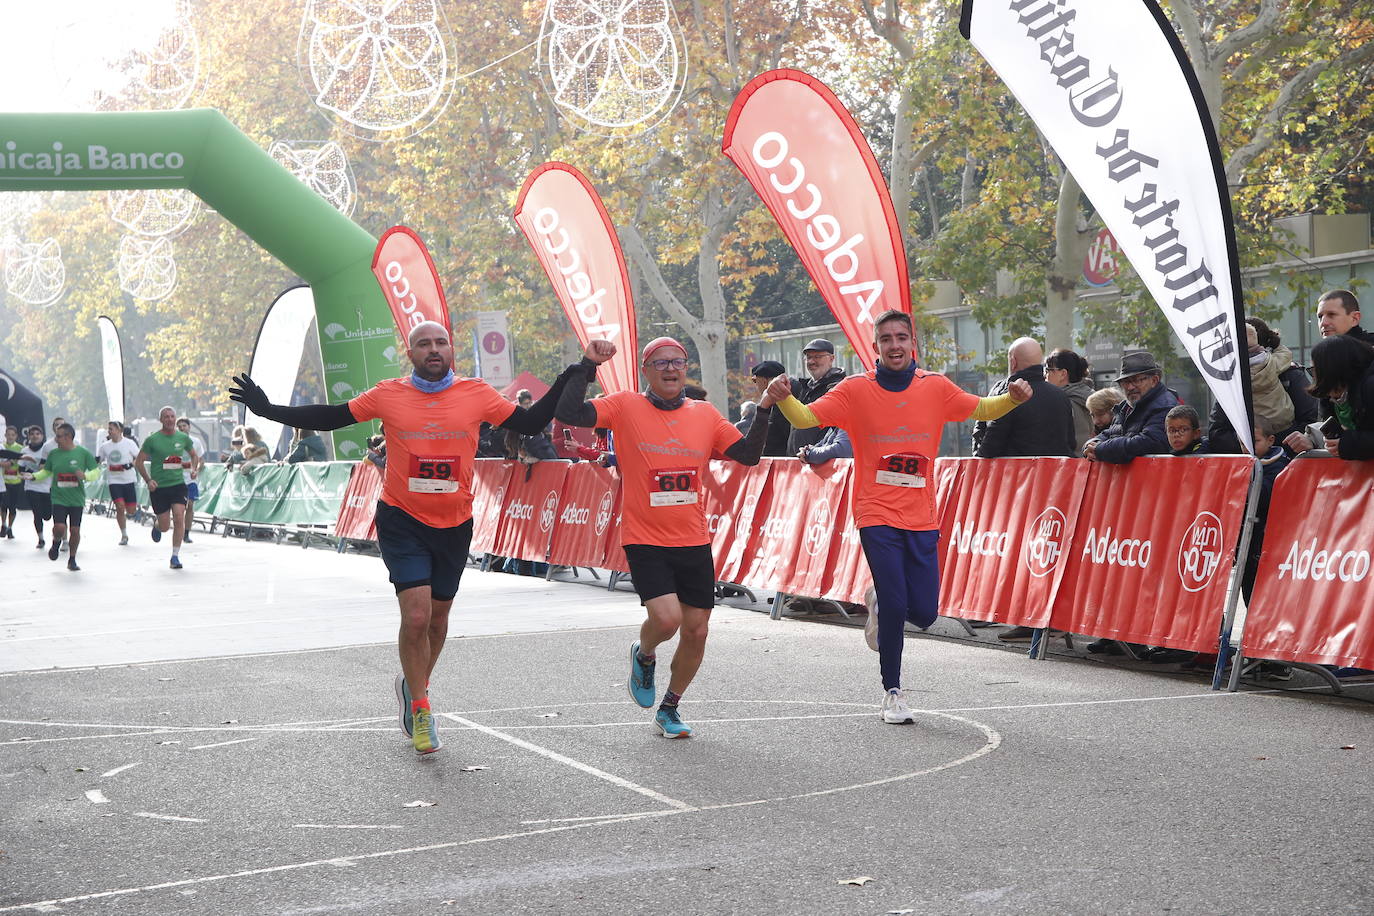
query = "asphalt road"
x=222 y=740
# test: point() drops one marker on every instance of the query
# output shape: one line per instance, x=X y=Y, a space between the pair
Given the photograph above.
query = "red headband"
x=660 y=342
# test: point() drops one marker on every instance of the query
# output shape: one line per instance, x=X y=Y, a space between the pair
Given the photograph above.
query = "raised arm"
x=573 y=407
x=531 y=421
x=748 y=449
x=310 y=416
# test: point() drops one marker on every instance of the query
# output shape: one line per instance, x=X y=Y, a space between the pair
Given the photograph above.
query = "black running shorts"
x=416 y=554
x=688 y=572
x=40 y=503
x=67 y=515
x=164 y=498
x=125 y=493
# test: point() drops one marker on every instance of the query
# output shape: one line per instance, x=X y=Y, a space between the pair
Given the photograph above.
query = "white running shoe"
x=871 y=622
x=895 y=711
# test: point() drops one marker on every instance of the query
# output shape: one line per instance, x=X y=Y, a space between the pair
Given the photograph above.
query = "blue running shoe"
x=176 y=562
x=157 y=533
x=403 y=697
x=671 y=724
x=641 y=681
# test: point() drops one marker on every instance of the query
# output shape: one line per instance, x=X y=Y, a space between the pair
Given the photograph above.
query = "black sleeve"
x=322 y=417
x=749 y=450
x=1305 y=407
x=532 y=421
x=573 y=407
x=1221 y=434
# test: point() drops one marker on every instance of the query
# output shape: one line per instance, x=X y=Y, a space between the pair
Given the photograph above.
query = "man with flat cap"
x=1138 y=422
x=821 y=375
x=424 y=516
x=664 y=442
x=775 y=446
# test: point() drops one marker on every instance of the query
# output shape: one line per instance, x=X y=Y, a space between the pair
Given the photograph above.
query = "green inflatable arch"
x=201 y=151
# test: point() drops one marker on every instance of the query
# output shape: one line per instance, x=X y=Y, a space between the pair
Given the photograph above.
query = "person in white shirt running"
x=116 y=455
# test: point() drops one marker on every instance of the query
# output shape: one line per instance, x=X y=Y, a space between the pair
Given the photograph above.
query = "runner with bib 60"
x=664 y=442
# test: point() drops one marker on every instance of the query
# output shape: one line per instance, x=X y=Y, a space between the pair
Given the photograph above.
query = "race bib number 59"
x=904 y=470
x=672 y=486
x=433 y=474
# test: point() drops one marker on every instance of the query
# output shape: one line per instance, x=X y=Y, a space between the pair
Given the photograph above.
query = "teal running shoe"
x=671 y=724
x=426 y=737
x=641 y=683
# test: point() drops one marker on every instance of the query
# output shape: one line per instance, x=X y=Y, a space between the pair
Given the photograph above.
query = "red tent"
x=524 y=380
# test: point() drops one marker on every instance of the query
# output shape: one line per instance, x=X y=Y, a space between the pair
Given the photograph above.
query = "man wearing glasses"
x=664 y=443
x=1138 y=422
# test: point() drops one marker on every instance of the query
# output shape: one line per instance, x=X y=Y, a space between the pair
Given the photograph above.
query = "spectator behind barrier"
x=1338 y=312
x=1137 y=426
x=1043 y=426
x=1067 y=370
x=306 y=445
x=1221 y=435
x=821 y=375
x=1183 y=426
x=1100 y=404
x=778 y=428
x=376 y=447
x=255 y=451
x=746 y=415
x=1343 y=367
x=234 y=456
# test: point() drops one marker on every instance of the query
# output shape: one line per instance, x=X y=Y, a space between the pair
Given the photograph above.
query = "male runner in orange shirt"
x=664 y=442
x=894 y=416
x=424 y=517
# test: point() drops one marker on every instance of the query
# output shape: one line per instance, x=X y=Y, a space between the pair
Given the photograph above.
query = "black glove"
x=250 y=395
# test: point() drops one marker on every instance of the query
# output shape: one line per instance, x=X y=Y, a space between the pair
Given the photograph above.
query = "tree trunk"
x=1071 y=241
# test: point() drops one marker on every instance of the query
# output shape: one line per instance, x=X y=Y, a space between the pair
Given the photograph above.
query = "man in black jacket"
x=1138 y=422
x=1045 y=429
x=779 y=428
x=821 y=376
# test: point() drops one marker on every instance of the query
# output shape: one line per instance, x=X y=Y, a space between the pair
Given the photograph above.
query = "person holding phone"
x=1343 y=369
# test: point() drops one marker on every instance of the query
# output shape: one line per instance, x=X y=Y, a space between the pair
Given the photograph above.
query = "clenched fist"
x=598 y=351
x=780 y=389
x=1020 y=391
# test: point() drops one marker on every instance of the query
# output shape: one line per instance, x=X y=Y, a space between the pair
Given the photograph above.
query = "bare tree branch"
x=1259 y=28
x=638 y=250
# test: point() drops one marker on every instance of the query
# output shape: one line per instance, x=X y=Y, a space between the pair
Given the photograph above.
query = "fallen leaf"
x=230 y=722
x=474 y=768
x=419 y=804
x=166 y=679
x=857 y=882
x=169 y=742
x=1347 y=747
x=81 y=769
x=900 y=912
x=547 y=715
x=1261 y=758
x=756 y=638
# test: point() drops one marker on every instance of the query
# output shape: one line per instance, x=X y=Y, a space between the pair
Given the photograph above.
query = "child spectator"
x=1183 y=426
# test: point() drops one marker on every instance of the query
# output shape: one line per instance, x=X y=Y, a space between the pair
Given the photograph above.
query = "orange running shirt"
x=431 y=440
x=663 y=456
x=896 y=436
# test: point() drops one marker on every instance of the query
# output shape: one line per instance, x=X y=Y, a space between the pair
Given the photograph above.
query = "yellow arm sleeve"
x=93 y=475
x=42 y=474
x=797 y=413
x=992 y=408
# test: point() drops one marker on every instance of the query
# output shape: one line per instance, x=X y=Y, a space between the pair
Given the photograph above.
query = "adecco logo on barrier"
x=519 y=510
x=979 y=543
x=1106 y=550
x=1045 y=546
x=549 y=512
x=603 y=512
x=818 y=529
x=1200 y=552
x=1310 y=564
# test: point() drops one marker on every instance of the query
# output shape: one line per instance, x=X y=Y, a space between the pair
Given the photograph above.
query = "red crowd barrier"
x=1141 y=552
x=358 y=512
x=1313 y=599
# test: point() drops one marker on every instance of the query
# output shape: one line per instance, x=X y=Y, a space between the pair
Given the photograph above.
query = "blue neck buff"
x=895 y=380
x=429 y=387
x=662 y=404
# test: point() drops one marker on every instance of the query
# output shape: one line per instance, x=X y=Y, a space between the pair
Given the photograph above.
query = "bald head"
x=426 y=328
x=1023 y=353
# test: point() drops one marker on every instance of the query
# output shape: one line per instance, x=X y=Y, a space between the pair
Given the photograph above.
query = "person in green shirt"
x=169 y=451
x=70 y=466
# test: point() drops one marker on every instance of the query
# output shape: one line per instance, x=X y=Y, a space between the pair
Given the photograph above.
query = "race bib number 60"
x=672 y=486
x=904 y=470
x=433 y=474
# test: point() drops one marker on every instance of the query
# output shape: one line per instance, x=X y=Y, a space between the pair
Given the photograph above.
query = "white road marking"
x=201 y=747
x=127 y=766
x=96 y=797
x=575 y=764
x=170 y=817
x=350 y=826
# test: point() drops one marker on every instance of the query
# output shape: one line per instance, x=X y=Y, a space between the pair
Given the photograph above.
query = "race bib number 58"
x=433 y=474
x=904 y=470
x=672 y=486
